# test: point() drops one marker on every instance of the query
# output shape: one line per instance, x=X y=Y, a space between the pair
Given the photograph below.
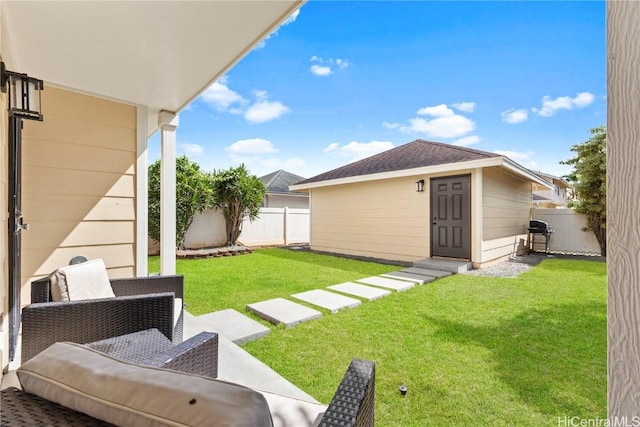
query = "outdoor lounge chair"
x=352 y=404
x=140 y=303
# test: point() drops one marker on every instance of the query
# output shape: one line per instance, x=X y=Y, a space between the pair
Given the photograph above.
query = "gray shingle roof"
x=279 y=181
x=416 y=154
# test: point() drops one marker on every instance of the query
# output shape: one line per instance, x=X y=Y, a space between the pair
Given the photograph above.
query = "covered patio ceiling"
x=161 y=55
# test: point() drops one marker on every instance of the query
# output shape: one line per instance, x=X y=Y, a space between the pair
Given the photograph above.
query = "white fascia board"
x=525 y=173
x=427 y=170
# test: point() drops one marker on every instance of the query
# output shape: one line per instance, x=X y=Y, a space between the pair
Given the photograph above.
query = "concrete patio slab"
x=410 y=277
x=385 y=282
x=233 y=325
x=280 y=310
x=328 y=300
x=426 y=272
x=362 y=291
x=237 y=365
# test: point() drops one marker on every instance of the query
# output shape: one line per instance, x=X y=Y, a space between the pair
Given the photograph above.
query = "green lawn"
x=471 y=350
x=233 y=282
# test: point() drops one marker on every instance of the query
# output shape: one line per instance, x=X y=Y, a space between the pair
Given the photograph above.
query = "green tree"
x=590 y=164
x=194 y=194
x=238 y=195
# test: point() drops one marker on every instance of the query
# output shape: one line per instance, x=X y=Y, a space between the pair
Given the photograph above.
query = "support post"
x=142 y=194
x=168 y=124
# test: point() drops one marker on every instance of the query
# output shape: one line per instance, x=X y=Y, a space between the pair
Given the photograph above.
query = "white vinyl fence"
x=568 y=236
x=274 y=226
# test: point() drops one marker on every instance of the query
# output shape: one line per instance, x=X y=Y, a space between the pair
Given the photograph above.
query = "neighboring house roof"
x=417 y=157
x=553 y=179
x=279 y=181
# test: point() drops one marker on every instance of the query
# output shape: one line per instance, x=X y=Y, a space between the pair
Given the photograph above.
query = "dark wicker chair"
x=141 y=303
x=351 y=406
x=197 y=355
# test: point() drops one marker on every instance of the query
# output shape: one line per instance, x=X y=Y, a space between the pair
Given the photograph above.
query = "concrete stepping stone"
x=362 y=291
x=385 y=282
x=234 y=325
x=416 y=278
x=328 y=300
x=280 y=310
x=426 y=272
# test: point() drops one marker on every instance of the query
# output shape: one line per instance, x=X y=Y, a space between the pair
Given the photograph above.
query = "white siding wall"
x=506 y=202
x=384 y=219
x=78 y=192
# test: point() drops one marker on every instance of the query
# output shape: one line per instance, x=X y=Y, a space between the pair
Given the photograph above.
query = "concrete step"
x=426 y=272
x=329 y=300
x=385 y=282
x=452 y=266
x=280 y=310
x=362 y=291
x=234 y=325
x=416 y=278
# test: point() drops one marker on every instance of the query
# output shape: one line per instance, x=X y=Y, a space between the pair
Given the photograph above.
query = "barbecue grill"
x=541 y=228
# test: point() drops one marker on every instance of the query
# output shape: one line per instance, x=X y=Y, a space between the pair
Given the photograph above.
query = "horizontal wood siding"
x=506 y=207
x=79 y=185
x=384 y=219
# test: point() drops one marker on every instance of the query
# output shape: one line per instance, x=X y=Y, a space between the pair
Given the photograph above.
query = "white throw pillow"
x=127 y=394
x=88 y=280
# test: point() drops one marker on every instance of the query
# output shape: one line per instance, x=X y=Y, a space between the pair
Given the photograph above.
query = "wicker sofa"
x=352 y=404
x=141 y=303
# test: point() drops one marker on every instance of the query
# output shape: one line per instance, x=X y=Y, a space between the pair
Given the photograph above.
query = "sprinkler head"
x=403 y=389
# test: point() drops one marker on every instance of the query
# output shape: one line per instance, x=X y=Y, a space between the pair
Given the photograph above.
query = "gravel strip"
x=509 y=268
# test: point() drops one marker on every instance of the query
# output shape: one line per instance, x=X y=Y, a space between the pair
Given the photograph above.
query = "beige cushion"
x=126 y=394
x=287 y=411
x=88 y=280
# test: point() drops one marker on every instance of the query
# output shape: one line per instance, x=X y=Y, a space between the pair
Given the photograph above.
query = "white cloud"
x=452 y=126
x=320 y=70
x=467 y=107
x=436 y=111
x=191 y=149
x=251 y=146
x=324 y=67
x=290 y=19
x=550 y=106
x=391 y=125
x=264 y=111
x=467 y=140
x=331 y=147
x=220 y=97
x=342 y=63
x=583 y=99
x=441 y=122
x=515 y=155
x=514 y=116
x=223 y=99
x=355 y=150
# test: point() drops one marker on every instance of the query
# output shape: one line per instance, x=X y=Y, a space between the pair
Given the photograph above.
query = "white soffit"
x=158 y=54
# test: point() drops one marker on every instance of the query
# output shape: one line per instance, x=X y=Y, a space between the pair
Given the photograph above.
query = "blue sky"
x=340 y=81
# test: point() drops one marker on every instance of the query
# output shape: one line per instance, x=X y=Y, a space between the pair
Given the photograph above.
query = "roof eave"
x=499 y=161
x=427 y=170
